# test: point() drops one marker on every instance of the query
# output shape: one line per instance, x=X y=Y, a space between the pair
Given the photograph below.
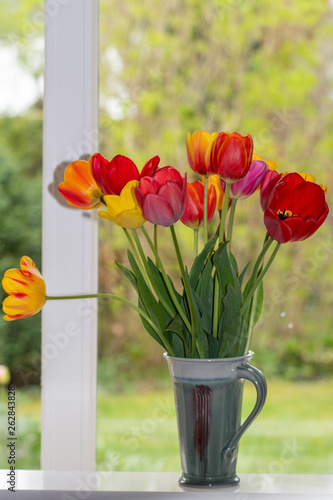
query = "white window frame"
x=69 y=328
x=70 y=260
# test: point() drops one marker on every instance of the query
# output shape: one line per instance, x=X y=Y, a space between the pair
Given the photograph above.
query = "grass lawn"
x=137 y=432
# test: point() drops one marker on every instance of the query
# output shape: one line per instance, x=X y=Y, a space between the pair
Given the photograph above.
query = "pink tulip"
x=247 y=185
x=162 y=197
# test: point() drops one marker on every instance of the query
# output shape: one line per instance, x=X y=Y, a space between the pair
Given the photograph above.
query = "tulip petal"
x=131 y=219
x=79 y=187
x=157 y=210
x=150 y=167
x=276 y=228
x=167 y=174
x=124 y=210
x=122 y=171
x=296 y=209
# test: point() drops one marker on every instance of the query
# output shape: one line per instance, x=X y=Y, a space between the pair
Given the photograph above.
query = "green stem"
x=224 y=212
x=136 y=255
x=216 y=306
x=258 y=263
x=216 y=281
x=187 y=290
x=231 y=223
x=167 y=281
x=253 y=288
x=120 y=299
x=253 y=307
x=155 y=239
x=195 y=242
x=150 y=277
x=205 y=210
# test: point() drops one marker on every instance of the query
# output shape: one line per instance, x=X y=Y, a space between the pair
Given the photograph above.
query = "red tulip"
x=232 y=156
x=193 y=215
x=296 y=209
x=267 y=185
x=162 y=197
x=113 y=176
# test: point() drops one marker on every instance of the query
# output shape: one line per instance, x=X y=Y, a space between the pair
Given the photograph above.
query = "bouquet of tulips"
x=214 y=313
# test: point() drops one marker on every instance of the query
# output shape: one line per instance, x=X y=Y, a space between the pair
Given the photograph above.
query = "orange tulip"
x=26 y=289
x=79 y=187
x=199 y=146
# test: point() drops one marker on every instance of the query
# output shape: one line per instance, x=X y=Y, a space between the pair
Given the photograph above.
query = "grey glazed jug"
x=208 y=396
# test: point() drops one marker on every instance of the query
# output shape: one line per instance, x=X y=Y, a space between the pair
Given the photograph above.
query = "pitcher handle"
x=248 y=372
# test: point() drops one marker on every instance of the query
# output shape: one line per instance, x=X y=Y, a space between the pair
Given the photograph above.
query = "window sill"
x=66 y=485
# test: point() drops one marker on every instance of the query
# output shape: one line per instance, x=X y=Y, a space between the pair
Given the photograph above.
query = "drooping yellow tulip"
x=124 y=209
x=26 y=290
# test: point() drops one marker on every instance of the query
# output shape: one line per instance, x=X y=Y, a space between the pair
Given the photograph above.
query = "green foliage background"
x=259 y=67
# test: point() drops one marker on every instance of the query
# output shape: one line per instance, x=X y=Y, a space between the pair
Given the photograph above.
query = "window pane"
x=259 y=68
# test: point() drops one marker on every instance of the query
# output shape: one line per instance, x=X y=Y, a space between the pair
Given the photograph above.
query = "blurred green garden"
x=260 y=67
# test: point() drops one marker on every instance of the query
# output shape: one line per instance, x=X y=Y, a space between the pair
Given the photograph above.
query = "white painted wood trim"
x=69 y=328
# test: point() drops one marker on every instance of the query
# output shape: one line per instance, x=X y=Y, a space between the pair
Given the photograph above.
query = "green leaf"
x=213 y=346
x=230 y=323
x=241 y=277
x=133 y=263
x=258 y=302
x=202 y=343
x=151 y=306
x=199 y=262
x=205 y=290
x=176 y=343
x=233 y=262
x=226 y=272
x=148 y=328
x=128 y=274
x=158 y=278
x=177 y=327
x=223 y=268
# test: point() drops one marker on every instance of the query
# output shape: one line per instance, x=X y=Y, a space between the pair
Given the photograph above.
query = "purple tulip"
x=249 y=184
x=162 y=197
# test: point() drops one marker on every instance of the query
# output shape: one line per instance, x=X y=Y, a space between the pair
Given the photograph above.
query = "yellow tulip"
x=124 y=209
